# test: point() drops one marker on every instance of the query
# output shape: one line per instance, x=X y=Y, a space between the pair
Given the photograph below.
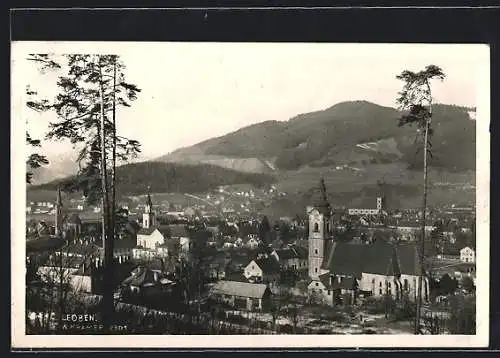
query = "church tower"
x=320 y=231
x=58 y=213
x=381 y=199
x=148 y=218
x=379 y=204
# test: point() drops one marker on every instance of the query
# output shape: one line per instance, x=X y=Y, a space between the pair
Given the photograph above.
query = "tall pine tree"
x=416 y=102
x=91 y=89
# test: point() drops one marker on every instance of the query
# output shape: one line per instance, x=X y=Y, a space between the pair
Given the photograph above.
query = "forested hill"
x=356 y=131
x=173 y=177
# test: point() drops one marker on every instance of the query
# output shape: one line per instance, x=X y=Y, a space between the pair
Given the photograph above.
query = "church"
x=154 y=239
x=343 y=269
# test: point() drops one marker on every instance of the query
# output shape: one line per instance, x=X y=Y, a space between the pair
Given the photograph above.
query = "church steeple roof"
x=59 y=200
x=149 y=202
x=321 y=199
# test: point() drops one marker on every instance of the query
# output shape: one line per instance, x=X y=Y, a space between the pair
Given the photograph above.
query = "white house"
x=328 y=288
x=468 y=255
x=263 y=270
x=140 y=252
x=150 y=238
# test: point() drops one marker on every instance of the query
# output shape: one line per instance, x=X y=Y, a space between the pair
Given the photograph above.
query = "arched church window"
x=406 y=284
x=328 y=227
x=316 y=227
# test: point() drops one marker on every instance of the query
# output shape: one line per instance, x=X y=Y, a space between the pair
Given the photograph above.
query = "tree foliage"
x=415 y=100
x=467 y=284
x=35 y=160
x=463 y=315
x=78 y=109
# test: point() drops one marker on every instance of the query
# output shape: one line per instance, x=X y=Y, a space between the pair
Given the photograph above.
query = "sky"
x=195 y=91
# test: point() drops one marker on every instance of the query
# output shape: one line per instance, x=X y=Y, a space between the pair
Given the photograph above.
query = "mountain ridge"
x=311 y=138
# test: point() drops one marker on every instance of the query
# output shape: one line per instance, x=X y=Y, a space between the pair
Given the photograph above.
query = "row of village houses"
x=343 y=268
x=249 y=283
x=81 y=222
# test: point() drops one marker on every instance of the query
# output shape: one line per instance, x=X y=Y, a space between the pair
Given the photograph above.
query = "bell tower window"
x=316 y=227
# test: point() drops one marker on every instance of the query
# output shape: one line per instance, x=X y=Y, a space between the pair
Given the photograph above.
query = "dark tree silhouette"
x=90 y=89
x=415 y=100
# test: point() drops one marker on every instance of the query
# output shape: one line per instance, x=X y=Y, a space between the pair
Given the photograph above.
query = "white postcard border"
x=18 y=200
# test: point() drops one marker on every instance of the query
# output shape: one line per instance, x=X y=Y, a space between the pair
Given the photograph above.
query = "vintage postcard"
x=288 y=194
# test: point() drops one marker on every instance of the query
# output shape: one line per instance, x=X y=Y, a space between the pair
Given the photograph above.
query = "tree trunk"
x=60 y=293
x=424 y=216
x=107 y=292
x=113 y=181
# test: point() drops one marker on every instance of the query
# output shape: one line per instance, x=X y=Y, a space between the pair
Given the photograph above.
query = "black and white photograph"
x=281 y=193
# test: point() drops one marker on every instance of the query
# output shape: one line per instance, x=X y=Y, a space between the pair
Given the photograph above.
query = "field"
x=403 y=187
x=348 y=178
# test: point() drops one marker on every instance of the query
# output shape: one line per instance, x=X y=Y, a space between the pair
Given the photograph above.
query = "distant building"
x=467 y=255
x=410 y=230
x=294 y=257
x=264 y=270
x=328 y=289
x=251 y=242
x=370 y=209
x=144 y=279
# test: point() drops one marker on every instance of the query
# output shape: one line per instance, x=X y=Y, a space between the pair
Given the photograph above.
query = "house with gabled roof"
x=143 y=278
x=330 y=289
x=242 y=295
x=292 y=257
x=468 y=254
x=263 y=270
